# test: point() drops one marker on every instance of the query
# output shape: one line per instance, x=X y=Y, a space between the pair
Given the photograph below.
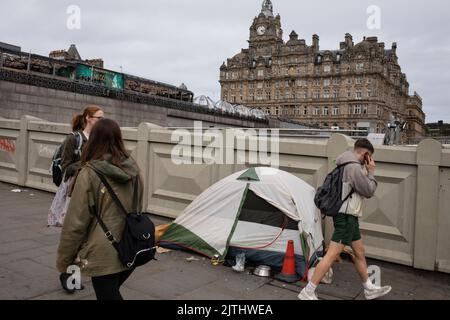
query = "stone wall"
x=35 y=95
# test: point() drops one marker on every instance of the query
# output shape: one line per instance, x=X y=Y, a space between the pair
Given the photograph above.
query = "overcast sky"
x=178 y=41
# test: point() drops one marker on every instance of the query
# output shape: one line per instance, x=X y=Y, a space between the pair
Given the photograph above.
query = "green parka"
x=83 y=241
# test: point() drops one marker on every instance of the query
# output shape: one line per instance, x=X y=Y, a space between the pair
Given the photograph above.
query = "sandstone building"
x=357 y=86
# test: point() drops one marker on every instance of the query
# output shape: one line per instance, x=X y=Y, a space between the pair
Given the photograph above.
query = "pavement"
x=28 y=253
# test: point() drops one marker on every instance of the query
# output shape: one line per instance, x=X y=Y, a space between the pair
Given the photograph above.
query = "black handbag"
x=137 y=244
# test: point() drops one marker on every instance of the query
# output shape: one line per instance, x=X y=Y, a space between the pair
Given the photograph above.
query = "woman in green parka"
x=83 y=242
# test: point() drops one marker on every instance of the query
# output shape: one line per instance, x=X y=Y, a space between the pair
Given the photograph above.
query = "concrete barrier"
x=406 y=222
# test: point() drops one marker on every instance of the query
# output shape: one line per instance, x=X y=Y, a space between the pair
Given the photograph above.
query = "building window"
x=336 y=81
x=252 y=85
x=360 y=66
x=369 y=93
x=359 y=80
x=336 y=94
x=317 y=95
x=317 y=82
x=349 y=94
x=357 y=109
x=260 y=73
x=277 y=110
x=326 y=82
x=326 y=94
x=358 y=95
x=260 y=85
x=305 y=111
x=267 y=95
x=364 y=110
x=267 y=84
x=305 y=95
x=325 y=111
x=286 y=83
x=327 y=69
x=233 y=86
x=316 y=111
x=349 y=81
x=335 y=111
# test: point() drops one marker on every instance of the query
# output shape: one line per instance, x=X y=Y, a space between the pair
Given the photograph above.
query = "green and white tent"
x=255 y=211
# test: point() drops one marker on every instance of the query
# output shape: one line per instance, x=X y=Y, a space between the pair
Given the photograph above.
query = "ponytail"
x=78 y=123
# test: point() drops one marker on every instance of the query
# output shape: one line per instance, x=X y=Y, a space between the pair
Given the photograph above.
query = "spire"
x=267 y=8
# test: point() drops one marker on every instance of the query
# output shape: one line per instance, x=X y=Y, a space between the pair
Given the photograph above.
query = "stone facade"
x=358 y=86
x=57 y=100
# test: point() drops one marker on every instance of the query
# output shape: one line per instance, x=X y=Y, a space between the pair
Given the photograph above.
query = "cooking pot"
x=262 y=271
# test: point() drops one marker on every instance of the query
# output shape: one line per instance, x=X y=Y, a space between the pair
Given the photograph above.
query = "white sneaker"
x=307 y=295
x=371 y=294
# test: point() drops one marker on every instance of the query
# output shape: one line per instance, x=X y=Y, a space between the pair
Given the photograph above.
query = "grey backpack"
x=329 y=196
x=55 y=168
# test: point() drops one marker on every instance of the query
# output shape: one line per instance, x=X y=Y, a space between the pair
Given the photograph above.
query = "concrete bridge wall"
x=407 y=222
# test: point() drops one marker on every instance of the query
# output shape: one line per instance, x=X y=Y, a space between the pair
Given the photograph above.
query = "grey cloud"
x=186 y=41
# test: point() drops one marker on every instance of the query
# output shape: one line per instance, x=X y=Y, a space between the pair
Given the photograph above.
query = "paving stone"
x=28 y=253
x=12 y=247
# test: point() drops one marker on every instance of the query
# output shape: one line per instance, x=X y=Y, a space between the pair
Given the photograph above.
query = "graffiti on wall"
x=7 y=145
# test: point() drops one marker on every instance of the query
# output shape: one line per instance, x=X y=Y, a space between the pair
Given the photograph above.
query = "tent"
x=255 y=211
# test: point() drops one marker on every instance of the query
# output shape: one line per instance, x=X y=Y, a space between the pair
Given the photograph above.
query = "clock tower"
x=266 y=35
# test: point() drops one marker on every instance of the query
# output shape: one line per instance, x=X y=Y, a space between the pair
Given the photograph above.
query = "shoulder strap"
x=110 y=191
x=105 y=229
x=345 y=163
x=136 y=196
x=352 y=191
x=79 y=141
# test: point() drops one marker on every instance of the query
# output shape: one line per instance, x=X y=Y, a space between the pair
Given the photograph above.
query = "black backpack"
x=137 y=244
x=55 y=168
x=329 y=196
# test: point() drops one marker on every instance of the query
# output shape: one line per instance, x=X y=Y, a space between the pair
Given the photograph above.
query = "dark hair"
x=105 y=143
x=364 y=144
x=78 y=121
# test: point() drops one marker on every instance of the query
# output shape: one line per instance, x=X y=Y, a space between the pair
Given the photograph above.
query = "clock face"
x=261 y=30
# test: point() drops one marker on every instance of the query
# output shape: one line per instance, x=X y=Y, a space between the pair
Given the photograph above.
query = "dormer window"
x=338 y=57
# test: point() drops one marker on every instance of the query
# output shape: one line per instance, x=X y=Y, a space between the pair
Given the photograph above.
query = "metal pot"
x=262 y=271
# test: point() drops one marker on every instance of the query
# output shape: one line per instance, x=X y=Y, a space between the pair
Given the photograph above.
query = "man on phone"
x=358 y=176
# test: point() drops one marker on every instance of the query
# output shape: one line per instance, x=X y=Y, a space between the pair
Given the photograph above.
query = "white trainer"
x=371 y=294
x=307 y=295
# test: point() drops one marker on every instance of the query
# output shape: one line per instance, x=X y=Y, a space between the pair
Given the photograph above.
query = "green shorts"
x=346 y=229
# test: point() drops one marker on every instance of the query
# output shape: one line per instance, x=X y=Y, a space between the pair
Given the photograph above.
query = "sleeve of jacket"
x=76 y=223
x=362 y=182
x=70 y=162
